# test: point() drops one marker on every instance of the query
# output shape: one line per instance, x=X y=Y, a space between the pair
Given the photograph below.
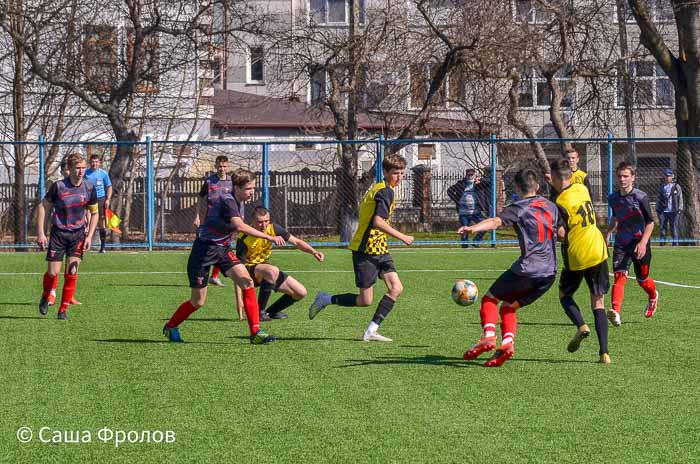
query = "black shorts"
x=203 y=256
x=369 y=267
x=101 y=207
x=597 y=279
x=65 y=243
x=511 y=287
x=623 y=256
x=280 y=279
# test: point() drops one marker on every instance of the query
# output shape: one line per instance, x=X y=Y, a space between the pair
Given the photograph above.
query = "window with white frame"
x=426 y=152
x=660 y=11
x=651 y=87
x=531 y=12
x=256 y=65
x=334 y=12
x=534 y=91
x=323 y=79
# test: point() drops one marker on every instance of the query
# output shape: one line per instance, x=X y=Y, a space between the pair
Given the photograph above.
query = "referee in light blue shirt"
x=103 y=187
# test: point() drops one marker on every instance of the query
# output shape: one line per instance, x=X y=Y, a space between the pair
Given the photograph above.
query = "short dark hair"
x=73 y=159
x=241 y=177
x=626 y=165
x=221 y=159
x=394 y=161
x=561 y=169
x=94 y=157
x=569 y=150
x=260 y=211
x=526 y=180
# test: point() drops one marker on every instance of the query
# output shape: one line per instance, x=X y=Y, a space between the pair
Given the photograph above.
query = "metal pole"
x=286 y=212
x=42 y=168
x=150 y=186
x=266 y=175
x=494 y=163
x=379 y=172
x=610 y=174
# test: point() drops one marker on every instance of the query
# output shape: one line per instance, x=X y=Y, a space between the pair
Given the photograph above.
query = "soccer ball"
x=465 y=292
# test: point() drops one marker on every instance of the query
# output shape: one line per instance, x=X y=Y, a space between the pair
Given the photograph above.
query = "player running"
x=534 y=219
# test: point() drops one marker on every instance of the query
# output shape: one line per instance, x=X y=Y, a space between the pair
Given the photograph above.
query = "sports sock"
x=264 y=294
x=103 y=238
x=572 y=310
x=489 y=314
x=252 y=312
x=386 y=304
x=649 y=286
x=283 y=302
x=601 y=329
x=509 y=323
x=50 y=283
x=344 y=299
x=215 y=272
x=69 y=283
x=618 y=290
x=372 y=327
x=182 y=313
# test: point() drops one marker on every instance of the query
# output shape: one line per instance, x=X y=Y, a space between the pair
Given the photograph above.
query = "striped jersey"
x=378 y=201
x=632 y=212
x=254 y=250
x=217 y=227
x=70 y=202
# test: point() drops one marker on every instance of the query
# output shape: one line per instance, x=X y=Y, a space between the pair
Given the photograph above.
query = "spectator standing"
x=472 y=203
x=669 y=207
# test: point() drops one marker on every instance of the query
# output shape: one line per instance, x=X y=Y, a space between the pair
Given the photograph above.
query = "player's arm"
x=383 y=199
x=301 y=245
x=242 y=227
x=201 y=203
x=41 y=210
x=641 y=248
x=381 y=224
x=94 y=219
x=483 y=226
x=611 y=229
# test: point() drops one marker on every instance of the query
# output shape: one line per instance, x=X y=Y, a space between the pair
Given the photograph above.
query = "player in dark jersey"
x=534 y=219
x=70 y=197
x=212 y=247
x=634 y=224
x=212 y=189
x=585 y=256
x=255 y=253
x=370 y=253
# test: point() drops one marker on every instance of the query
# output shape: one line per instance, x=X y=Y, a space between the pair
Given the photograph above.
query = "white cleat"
x=614 y=317
x=375 y=337
x=216 y=281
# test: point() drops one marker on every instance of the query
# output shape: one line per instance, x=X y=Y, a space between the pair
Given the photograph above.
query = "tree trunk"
x=19 y=206
x=347 y=194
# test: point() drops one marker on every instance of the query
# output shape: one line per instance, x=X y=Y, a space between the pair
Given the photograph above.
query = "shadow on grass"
x=24 y=317
x=304 y=339
x=148 y=285
x=157 y=342
x=433 y=360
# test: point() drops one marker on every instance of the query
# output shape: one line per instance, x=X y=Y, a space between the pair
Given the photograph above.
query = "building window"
x=148 y=72
x=534 y=91
x=334 y=11
x=318 y=84
x=531 y=12
x=426 y=152
x=379 y=86
x=650 y=86
x=256 y=65
x=100 y=57
x=660 y=11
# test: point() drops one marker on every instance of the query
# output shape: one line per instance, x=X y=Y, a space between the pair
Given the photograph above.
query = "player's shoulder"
x=639 y=194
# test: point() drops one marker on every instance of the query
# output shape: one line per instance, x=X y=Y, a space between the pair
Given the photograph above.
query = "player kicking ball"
x=534 y=219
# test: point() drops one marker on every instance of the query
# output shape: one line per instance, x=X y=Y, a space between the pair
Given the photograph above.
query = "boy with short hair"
x=534 y=219
x=370 y=254
x=634 y=223
x=585 y=256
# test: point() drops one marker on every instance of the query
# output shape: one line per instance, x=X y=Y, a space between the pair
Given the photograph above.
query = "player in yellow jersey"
x=370 y=254
x=585 y=256
x=578 y=176
x=255 y=254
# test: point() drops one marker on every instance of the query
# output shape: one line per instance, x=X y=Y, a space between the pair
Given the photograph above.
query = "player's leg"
x=641 y=271
x=292 y=291
x=238 y=272
x=386 y=304
x=101 y=223
x=676 y=227
x=664 y=220
x=569 y=282
x=621 y=263
x=598 y=282
x=74 y=255
x=50 y=282
x=265 y=275
x=214 y=279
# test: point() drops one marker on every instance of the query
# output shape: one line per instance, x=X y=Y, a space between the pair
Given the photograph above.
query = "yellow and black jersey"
x=584 y=245
x=253 y=250
x=379 y=201
x=579 y=176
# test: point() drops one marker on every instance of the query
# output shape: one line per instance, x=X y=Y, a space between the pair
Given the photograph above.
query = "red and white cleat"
x=502 y=354
x=651 y=306
x=482 y=346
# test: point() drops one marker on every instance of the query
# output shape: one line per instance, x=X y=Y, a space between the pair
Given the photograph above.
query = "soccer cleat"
x=51 y=299
x=63 y=316
x=43 y=306
x=278 y=315
x=614 y=317
x=375 y=337
x=604 y=359
x=216 y=281
x=264 y=317
x=482 y=346
x=102 y=250
x=173 y=334
x=651 y=306
x=502 y=354
x=73 y=301
x=321 y=301
x=581 y=334
x=262 y=338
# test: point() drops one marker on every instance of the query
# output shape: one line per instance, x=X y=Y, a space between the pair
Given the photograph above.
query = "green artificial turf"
x=320 y=394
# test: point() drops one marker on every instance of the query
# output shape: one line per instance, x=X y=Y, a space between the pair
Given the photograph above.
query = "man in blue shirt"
x=103 y=186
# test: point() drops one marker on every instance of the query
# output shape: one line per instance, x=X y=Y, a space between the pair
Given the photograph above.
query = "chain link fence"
x=313 y=188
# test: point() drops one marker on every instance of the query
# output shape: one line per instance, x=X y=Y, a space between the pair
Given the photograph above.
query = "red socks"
x=649 y=286
x=49 y=284
x=509 y=322
x=215 y=272
x=182 y=313
x=250 y=304
x=69 y=283
x=618 y=291
x=489 y=312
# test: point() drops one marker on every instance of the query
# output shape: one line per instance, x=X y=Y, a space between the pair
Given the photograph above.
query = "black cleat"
x=278 y=315
x=44 y=306
x=63 y=316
